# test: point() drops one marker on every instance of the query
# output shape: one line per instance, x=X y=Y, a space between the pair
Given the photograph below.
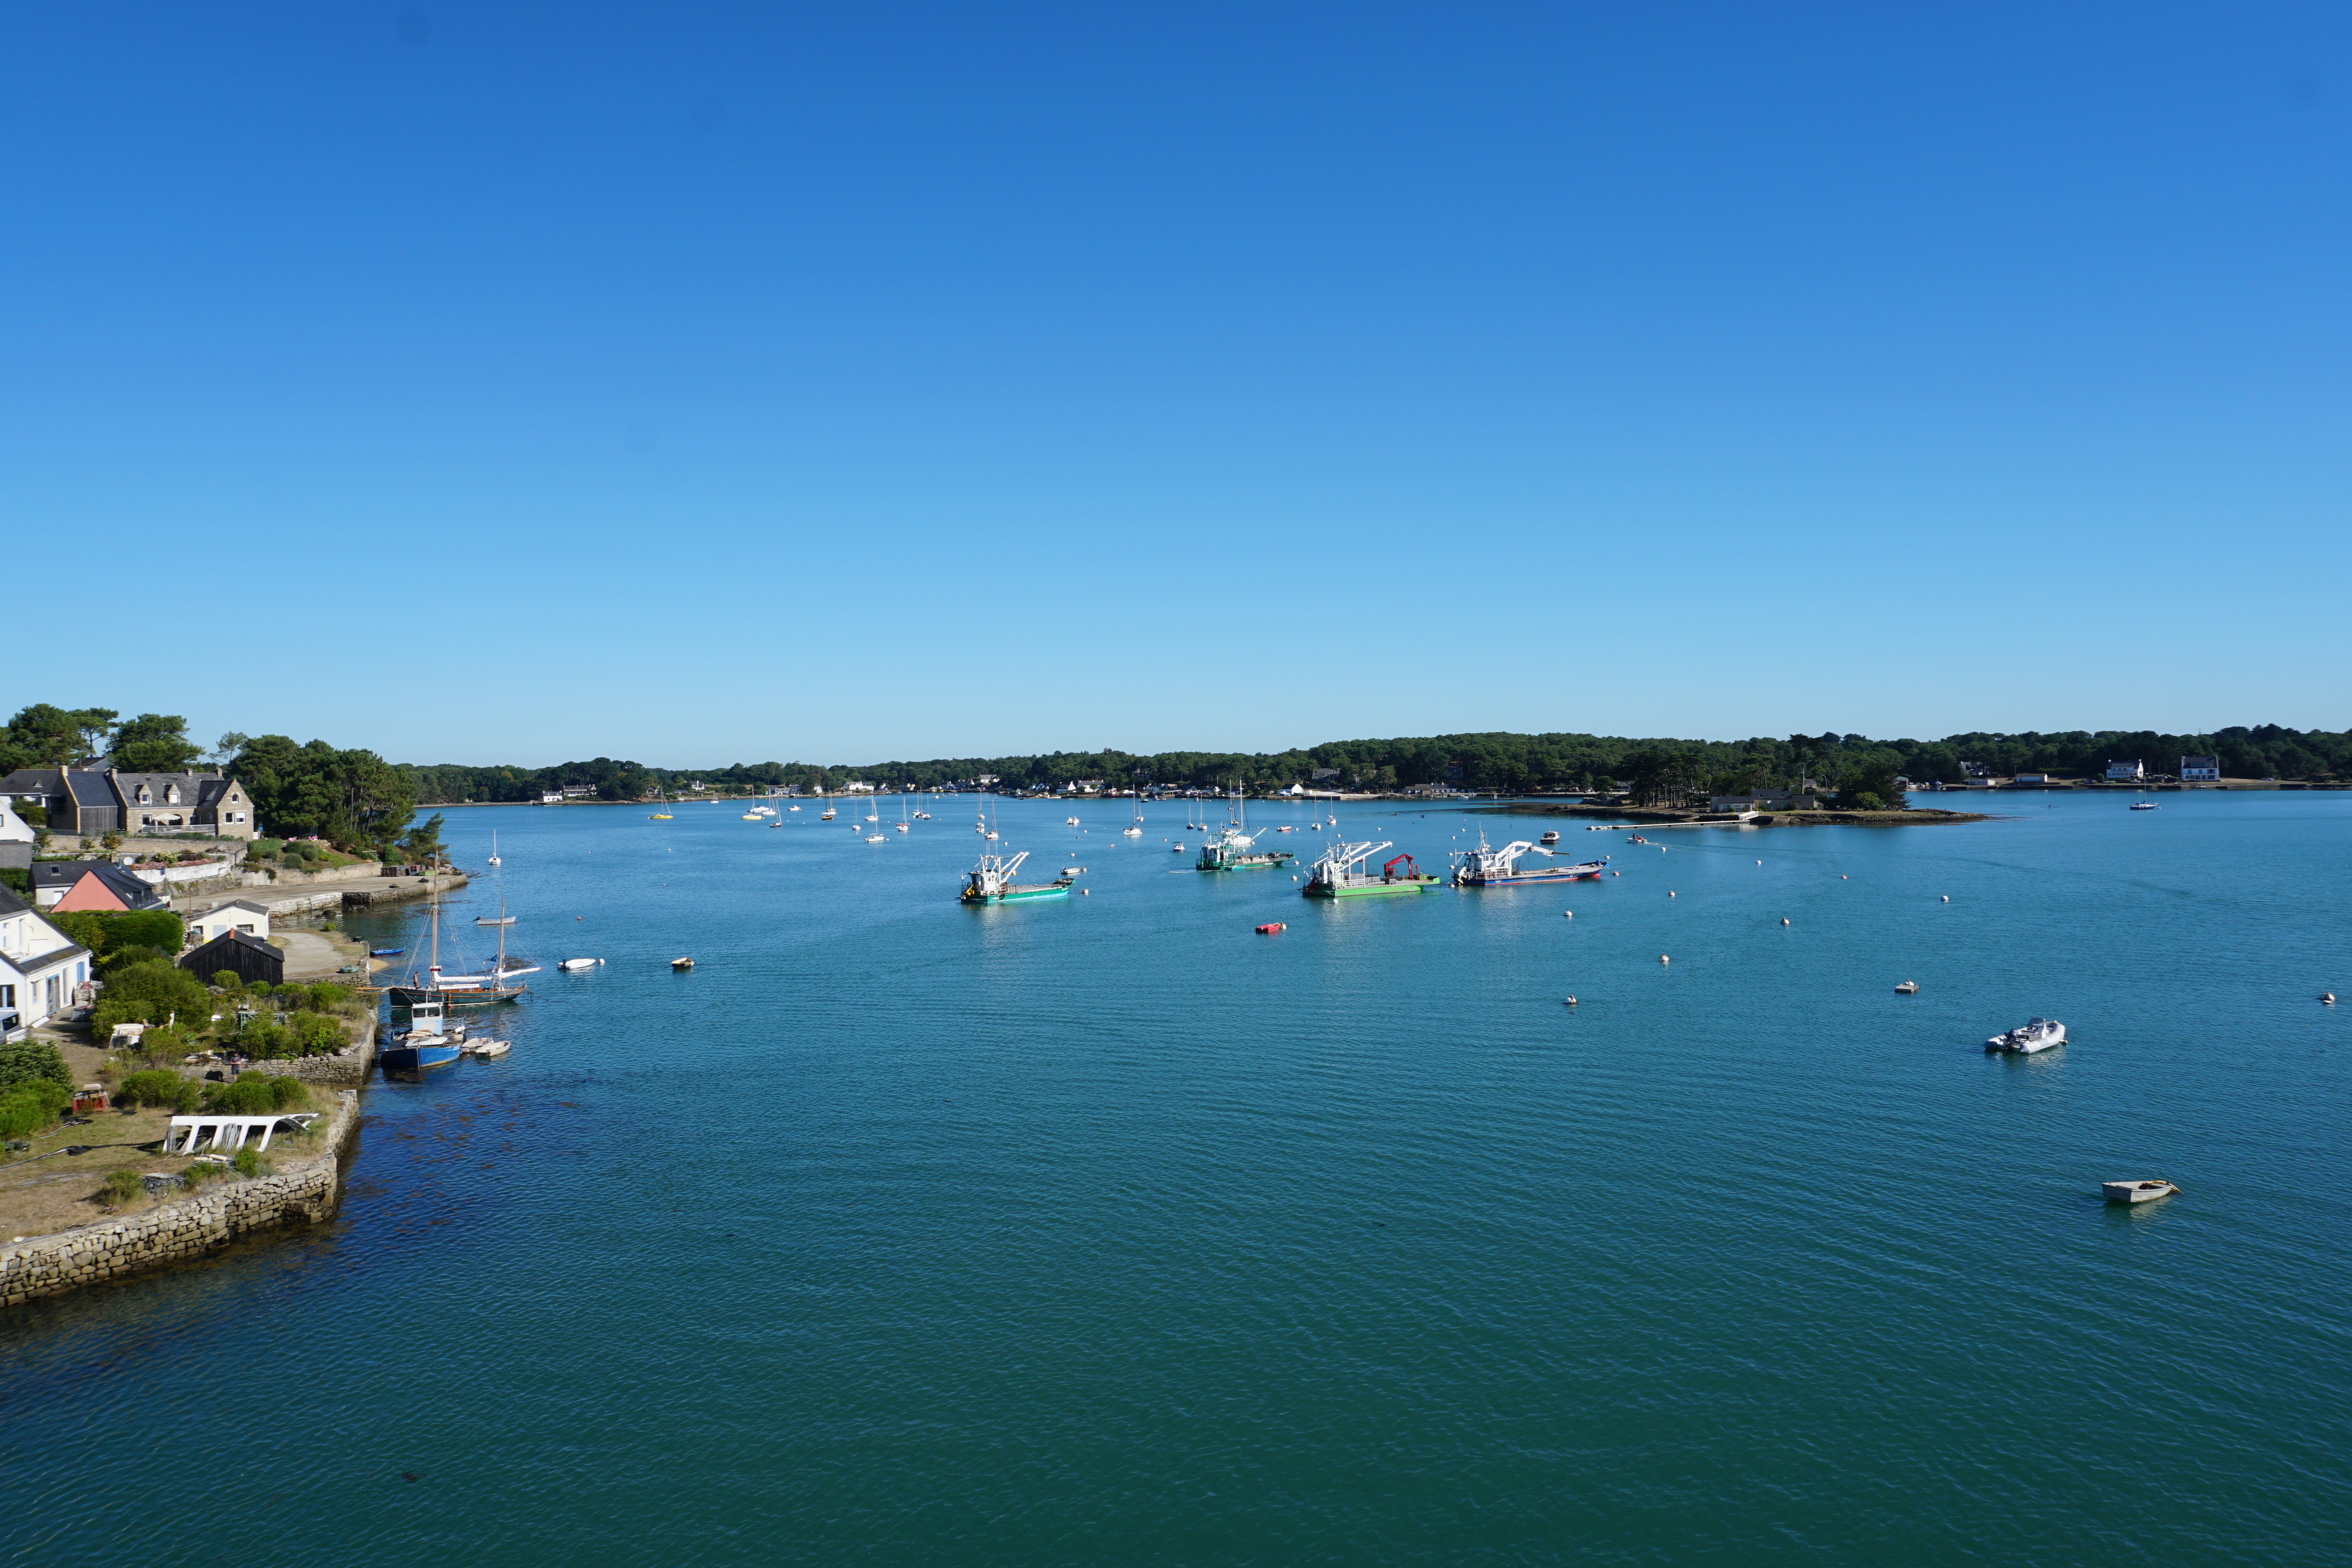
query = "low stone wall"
x=173 y=1232
x=350 y=1065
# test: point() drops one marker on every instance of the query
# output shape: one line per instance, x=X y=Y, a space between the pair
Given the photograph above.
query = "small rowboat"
x=1909 y=987
x=2137 y=1191
x=681 y=963
x=386 y=952
x=573 y=966
x=488 y=1049
x=1271 y=927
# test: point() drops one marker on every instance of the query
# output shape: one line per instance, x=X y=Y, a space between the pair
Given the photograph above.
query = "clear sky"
x=702 y=383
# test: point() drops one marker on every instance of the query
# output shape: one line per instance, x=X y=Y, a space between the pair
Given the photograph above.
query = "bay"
x=1108 y=1229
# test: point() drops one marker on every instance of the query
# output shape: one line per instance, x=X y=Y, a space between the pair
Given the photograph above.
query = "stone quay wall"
x=173 y=1232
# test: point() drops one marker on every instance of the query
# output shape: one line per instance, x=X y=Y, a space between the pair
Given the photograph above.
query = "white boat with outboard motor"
x=2034 y=1034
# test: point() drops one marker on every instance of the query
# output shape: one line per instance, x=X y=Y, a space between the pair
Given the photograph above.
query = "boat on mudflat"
x=1486 y=866
x=991 y=882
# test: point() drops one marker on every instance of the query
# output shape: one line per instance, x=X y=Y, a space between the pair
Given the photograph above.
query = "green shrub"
x=121 y=1186
x=33 y=1061
x=198 y=1173
x=249 y=1163
x=266 y=1041
x=248 y=1096
x=318 y=1034
x=111 y=1010
x=158 y=1086
x=24 y=1111
x=228 y=980
x=188 y=1096
x=123 y=957
x=163 y=987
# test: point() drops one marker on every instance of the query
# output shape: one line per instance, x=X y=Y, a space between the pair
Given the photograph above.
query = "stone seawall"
x=173 y=1232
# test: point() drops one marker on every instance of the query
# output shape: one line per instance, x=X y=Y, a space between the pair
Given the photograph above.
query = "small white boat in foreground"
x=573 y=966
x=488 y=1049
x=2035 y=1034
x=2137 y=1191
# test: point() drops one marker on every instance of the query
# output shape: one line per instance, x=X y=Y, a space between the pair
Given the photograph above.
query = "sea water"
x=1107 y=1230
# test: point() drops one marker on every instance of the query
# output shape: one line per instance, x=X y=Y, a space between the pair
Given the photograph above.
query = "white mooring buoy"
x=1784 y=920
x=1663 y=960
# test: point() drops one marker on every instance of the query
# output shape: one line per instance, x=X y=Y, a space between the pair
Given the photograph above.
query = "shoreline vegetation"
x=1649 y=816
x=1653 y=770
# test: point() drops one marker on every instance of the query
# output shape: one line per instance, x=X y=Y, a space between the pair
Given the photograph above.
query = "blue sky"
x=714 y=383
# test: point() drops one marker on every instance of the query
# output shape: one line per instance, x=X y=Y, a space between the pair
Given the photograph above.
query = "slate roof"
x=187 y=959
x=239 y=904
x=42 y=782
x=90 y=788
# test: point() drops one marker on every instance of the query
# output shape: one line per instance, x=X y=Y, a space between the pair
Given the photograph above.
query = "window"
x=7 y=996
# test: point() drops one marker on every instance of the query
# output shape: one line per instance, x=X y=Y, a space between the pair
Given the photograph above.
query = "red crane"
x=1388 y=872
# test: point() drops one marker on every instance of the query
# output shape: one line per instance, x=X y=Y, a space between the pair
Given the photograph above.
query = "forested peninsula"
x=1511 y=763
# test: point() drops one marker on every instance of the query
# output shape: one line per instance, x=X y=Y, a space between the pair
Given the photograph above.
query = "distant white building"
x=238 y=914
x=582 y=792
x=2126 y=772
x=2200 y=770
x=2033 y=778
x=552 y=798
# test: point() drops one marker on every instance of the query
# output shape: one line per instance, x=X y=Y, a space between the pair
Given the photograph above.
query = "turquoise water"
x=1107 y=1231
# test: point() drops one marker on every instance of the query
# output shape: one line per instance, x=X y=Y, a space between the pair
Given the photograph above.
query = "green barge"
x=1343 y=871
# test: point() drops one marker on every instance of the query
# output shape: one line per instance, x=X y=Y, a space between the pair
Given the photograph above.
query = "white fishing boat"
x=2035 y=1034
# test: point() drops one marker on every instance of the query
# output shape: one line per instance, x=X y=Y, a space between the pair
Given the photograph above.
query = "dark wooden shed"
x=255 y=962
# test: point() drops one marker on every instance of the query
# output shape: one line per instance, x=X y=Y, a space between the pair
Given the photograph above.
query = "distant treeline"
x=1506 y=762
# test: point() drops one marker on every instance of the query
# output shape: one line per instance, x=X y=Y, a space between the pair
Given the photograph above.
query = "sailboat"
x=494 y=848
x=826 y=815
x=903 y=820
x=1135 y=828
x=659 y=816
x=428 y=1039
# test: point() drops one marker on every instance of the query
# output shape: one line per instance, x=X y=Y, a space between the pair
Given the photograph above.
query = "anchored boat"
x=1488 y=867
x=1344 y=871
x=1234 y=847
x=991 y=882
x=2035 y=1034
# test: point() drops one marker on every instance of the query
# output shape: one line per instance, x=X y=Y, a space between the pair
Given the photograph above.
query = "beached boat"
x=991 y=882
x=1344 y=871
x=2035 y=1034
x=1486 y=866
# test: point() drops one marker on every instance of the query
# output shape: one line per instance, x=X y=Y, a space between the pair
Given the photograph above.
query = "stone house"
x=90 y=801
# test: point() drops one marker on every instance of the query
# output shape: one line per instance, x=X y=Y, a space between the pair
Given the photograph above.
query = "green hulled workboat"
x=1342 y=873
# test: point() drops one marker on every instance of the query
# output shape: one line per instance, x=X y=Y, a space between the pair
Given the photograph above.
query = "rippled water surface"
x=1107 y=1231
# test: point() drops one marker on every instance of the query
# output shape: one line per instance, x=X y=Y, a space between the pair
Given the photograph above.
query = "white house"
x=40 y=968
x=13 y=830
x=2033 y=778
x=2126 y=772
x=238 y=914
x=2200 y=770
